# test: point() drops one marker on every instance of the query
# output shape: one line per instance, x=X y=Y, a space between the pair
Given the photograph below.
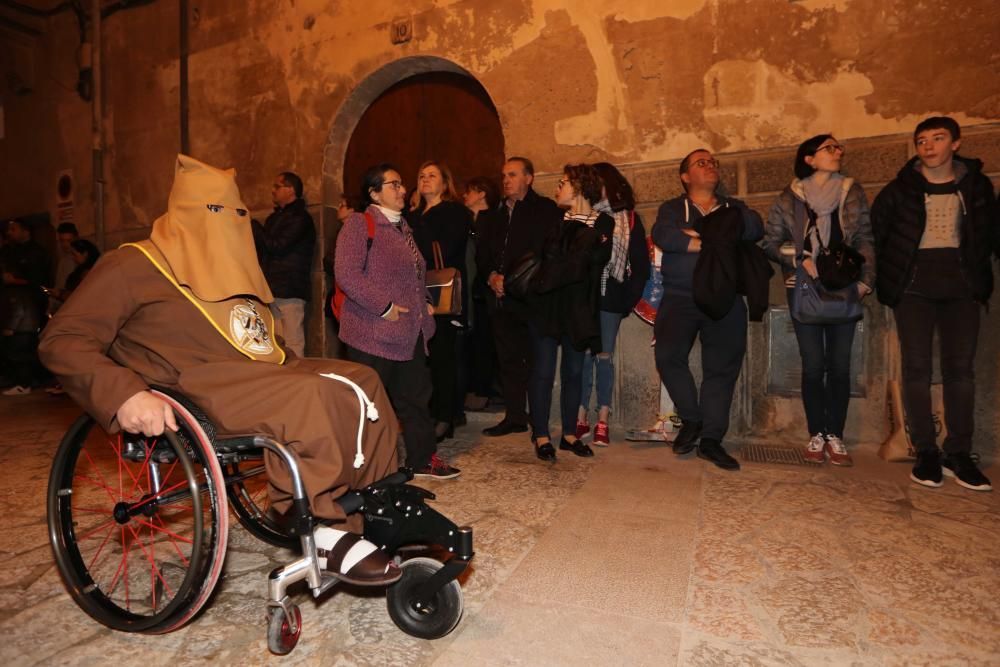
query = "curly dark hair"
x=617 y=187
x=585 y=180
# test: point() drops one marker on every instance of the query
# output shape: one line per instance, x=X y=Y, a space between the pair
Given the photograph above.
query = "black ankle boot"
x=687 y=438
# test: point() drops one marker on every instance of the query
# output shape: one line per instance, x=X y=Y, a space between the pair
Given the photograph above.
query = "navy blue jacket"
x=678 y=214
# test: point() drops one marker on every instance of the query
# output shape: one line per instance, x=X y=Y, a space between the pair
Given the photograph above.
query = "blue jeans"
x=826 y=374
x=610 y=322
x=543 y=375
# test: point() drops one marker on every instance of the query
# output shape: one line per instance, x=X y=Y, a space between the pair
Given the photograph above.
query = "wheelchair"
x=139 y=527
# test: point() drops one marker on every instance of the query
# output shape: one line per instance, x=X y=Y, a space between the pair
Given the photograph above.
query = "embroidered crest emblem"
x=249 y=330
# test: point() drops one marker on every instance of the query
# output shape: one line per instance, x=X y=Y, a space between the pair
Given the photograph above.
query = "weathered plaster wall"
x=633 y=84
x=278 y=84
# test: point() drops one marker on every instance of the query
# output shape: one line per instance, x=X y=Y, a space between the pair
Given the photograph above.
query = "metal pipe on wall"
x=185 y=140
x=98 y=123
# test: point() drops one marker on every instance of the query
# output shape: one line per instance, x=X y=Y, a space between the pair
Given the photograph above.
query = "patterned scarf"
x=617 y=266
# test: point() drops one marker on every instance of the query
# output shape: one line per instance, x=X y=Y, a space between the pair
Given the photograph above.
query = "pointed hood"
x=205 y=234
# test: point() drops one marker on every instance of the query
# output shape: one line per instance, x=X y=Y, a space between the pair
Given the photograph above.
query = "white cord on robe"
x=367 y=409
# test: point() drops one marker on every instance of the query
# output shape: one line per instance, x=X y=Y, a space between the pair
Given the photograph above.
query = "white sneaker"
x=17 y=390
x=816 y=449
x=837 y=452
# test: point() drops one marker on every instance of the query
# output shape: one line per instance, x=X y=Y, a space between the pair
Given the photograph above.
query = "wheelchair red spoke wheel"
x=133 y=524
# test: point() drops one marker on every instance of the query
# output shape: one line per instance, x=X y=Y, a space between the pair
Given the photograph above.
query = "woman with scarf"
x=825 y=209
x=621 y=284
x=564 y=307
x=386 y=319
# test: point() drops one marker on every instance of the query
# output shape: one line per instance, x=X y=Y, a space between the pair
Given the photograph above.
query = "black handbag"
x=518 y=281
x=810 y=302
x=839 y=266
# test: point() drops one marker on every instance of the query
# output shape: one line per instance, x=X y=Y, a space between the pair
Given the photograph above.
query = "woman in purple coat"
x=386 y=319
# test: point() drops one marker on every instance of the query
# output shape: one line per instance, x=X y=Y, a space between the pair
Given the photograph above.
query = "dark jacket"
x=22 y=307
x=621 y=297
x=899 y=217
x=678 y=214
x=447 y=223
x=285 y=244
x=728 y=265
x=566 y=292
x=504 y=242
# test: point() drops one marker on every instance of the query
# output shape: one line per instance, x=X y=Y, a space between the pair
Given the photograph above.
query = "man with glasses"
x=705 y=415
x=936 y=231
x=285 y=245
x=515 y=230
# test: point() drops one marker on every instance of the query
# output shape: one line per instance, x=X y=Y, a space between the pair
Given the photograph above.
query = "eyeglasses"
x=831 y=148
x=217 y=208
x=395 y=185
x=561 y=182
x=706 y=162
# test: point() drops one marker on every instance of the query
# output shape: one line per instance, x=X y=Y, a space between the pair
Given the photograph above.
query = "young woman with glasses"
x=824 y=209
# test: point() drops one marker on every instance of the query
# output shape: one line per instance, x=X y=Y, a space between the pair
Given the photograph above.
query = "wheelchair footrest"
x=398 y=515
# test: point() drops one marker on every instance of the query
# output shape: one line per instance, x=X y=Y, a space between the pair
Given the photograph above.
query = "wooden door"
x=439 y=116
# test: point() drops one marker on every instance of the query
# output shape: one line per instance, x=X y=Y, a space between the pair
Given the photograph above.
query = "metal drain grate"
x=772 y=454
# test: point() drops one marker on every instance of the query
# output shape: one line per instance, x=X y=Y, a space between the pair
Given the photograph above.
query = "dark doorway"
x=440 y=116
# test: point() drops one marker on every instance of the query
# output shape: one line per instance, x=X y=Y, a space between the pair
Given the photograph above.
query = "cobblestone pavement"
x=633 y=557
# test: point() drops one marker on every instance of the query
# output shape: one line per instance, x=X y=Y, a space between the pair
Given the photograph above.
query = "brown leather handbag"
x=445 y=285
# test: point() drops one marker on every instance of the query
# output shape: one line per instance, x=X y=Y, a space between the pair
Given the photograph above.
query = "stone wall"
x=280 y=85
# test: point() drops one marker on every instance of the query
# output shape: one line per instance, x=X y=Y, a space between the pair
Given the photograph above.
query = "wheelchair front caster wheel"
x=430 y=621
x=280 y=638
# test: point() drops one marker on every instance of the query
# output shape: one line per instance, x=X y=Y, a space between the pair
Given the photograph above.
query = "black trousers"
x=723 y=345
x=444 y=362
x=481 y=351
x=514 y=355
x=408 y=384
x=957 y=323
x=19 y=354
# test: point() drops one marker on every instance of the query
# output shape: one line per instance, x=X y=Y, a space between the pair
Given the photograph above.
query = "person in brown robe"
x=187 y=309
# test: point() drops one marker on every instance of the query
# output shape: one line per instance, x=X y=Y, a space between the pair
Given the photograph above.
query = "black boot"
x=687 y=438
x=711 y=450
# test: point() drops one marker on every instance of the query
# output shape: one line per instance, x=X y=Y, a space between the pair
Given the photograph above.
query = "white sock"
x=326 y=538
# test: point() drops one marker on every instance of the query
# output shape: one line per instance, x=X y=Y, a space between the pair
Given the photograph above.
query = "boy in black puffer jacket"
x=935 y=230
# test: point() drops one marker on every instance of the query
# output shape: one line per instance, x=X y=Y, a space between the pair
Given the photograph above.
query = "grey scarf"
x=824 y=200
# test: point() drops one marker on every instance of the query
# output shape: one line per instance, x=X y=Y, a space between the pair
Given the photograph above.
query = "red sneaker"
x=837 y=452
x=601 y=434
x=582 y=430
x=815 y=451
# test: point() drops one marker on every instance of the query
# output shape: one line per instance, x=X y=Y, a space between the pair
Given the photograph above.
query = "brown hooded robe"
x=134 y=323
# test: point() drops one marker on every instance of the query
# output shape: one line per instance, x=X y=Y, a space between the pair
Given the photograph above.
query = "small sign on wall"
x=64 y=196
x=402 y=30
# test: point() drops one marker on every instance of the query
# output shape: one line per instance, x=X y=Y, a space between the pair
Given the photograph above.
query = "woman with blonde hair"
x=439 y=218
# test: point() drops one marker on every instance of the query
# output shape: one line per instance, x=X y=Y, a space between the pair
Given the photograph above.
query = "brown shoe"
x=353 y=559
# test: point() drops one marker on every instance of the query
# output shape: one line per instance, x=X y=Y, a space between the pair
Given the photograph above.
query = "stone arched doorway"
x=407 y=111
x=442 y=116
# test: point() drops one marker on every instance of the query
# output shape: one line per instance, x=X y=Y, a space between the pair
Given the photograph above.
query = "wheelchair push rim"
x=136 y=530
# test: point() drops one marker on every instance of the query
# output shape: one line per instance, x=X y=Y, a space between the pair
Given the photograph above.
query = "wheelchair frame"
x=187 y=467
